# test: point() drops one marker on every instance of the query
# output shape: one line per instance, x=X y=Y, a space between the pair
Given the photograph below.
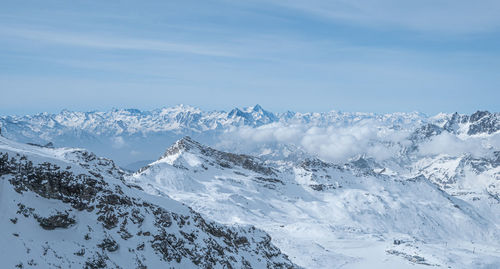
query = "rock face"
x=425 y=132
x=478 y=123
x=481 y=122
x=484 y=122
x=64 y=208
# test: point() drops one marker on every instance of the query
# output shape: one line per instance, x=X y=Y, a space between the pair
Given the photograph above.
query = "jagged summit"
x=188 y=152
x=484 y=122
x=253 y=116
x=184 y=144
x=480 y=122
x=257 y=107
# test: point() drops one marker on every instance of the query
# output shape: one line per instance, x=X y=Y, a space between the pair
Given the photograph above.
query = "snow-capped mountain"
x=326 y=215
x=333 y=189
x=131 y=135
x=68 y=208
x=128 y=135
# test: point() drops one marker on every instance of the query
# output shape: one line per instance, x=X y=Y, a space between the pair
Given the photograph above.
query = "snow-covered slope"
x=326 y=215
x=67 y=208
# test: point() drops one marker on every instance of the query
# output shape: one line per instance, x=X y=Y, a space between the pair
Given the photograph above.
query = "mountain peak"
x=182 y=145
x=235 y=112
x=187 y=143
x=257 y=107
x=213 y=156
x=479 y=115
x=254 y=116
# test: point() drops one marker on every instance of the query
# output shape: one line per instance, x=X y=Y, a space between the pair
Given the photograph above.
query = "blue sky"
x=357 y=55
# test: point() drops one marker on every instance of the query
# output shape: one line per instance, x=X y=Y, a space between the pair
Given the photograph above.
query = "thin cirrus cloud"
x=113 y=43
x=450 y=16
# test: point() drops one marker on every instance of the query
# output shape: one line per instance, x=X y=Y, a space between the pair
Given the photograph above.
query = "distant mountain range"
x=132 y=137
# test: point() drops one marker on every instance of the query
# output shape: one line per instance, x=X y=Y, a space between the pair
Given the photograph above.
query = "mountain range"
x=312 y=190
x=133 y=137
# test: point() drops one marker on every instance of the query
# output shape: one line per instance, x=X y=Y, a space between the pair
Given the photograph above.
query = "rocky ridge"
x=69 y=208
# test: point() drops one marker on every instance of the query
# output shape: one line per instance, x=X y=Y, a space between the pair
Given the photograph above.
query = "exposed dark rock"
x=60 y=220
x=108 y=244
x=412 y=258
x=425 y=132
x=269 y=180
x=322 y=187
x=48 y=145
x=80 y=252
x=96 y=262
x=483 y=122
x=108 y=219
x=479 y=122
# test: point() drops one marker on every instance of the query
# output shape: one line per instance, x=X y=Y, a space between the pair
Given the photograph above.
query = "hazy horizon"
x=228 y=109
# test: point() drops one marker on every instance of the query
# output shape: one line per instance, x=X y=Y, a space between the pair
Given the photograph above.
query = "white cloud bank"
x=340 y=143
x=453 y=145
x=328 y=143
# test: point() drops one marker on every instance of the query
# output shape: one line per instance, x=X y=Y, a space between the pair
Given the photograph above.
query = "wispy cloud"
x=113 y=42
x=449 y=16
